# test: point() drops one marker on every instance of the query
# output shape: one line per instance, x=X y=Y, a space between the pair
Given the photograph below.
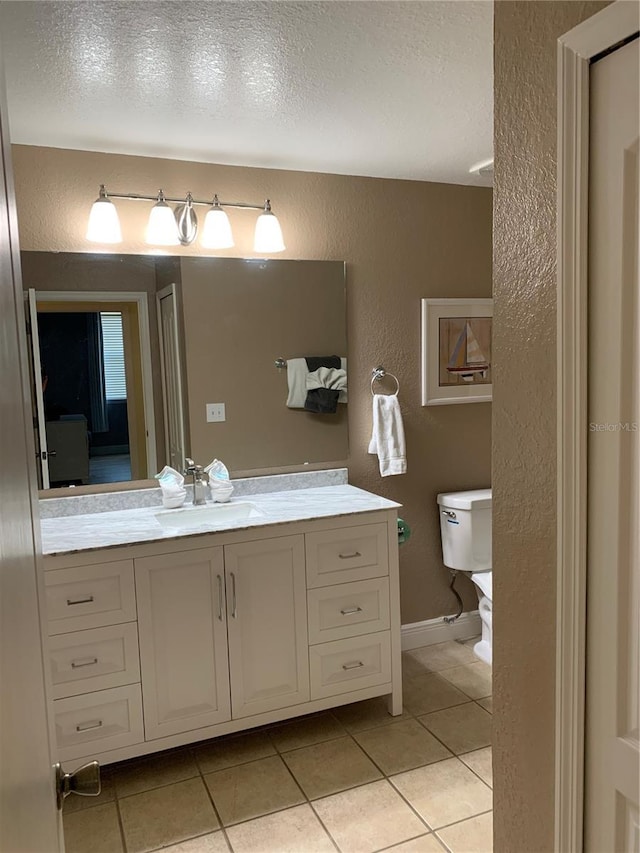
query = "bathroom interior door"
x=612 y=757
x=37 y=380
x=172 y=395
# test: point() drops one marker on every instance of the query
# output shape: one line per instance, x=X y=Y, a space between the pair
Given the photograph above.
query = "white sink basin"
x=212 y=515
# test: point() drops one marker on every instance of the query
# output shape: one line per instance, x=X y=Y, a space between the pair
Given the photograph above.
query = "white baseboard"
x=432 y=631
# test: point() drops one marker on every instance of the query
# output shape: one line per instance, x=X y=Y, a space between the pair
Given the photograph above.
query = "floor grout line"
x=270 y=729
x=215 y=810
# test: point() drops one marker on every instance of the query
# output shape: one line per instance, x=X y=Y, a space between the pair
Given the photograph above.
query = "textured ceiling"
x=388 y=89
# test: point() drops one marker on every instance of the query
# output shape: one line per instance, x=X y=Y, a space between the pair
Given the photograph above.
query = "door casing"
x=576 y=49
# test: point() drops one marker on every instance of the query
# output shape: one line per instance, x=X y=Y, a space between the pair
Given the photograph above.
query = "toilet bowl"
x=465 y=529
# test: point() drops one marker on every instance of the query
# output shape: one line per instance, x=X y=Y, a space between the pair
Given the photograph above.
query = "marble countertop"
x=68 y=535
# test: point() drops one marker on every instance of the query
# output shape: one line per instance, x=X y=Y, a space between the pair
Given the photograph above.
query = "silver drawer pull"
x=354 y=665
x=86 y=600
x=90 y=724
x=349 y=610
x=350 y=556
x=76 y=664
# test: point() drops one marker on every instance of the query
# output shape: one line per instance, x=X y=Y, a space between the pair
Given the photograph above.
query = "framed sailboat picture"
x=456 y=351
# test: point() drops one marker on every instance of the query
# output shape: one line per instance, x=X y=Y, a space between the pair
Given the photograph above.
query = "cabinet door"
x=183 y=641
x=267 y=614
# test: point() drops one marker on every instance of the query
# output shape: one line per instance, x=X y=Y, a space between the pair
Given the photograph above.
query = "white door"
x=171 y=377
x=267 y=625
x=183 y=641
x=28 y=817
x=613 y=552
x=38 y=390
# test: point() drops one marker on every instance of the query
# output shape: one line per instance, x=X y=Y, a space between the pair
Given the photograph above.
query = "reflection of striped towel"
x=297 y=373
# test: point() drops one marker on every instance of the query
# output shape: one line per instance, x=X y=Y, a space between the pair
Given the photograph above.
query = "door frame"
x=171 y=290
x=140 y=299
x=604 y=31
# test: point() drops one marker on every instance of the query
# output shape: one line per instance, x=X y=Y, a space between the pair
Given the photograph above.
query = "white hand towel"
x=297 y=372
x=387 y=438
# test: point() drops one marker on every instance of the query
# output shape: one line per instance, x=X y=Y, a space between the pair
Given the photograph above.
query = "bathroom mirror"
x=147 y=359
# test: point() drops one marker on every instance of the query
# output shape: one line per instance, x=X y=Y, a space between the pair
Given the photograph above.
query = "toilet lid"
x=484 y=580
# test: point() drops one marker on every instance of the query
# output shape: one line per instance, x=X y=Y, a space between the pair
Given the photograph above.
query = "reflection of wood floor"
x=109 y=469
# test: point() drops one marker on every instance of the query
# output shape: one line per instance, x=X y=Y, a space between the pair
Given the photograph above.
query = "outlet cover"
x=215 y=413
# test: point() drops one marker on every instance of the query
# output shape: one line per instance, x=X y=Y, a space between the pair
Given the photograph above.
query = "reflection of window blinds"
x=113 y=349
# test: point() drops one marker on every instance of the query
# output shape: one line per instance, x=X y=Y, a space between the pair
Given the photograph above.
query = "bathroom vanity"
x=158 y=636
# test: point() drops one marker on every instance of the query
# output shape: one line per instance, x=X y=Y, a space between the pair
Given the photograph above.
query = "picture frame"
x=456 y=351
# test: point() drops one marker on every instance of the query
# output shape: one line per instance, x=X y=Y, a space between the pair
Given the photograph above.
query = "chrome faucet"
x=199 y=487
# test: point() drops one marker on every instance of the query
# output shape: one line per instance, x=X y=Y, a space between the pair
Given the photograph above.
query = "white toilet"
x=465 y=526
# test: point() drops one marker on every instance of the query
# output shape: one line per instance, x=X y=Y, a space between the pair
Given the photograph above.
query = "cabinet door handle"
x=76 y=664
x=234 y=608
x=350 y=556
x=347 y=611
x=91 y=724
x=355 y=665
x=219 y=597
x=86 y=599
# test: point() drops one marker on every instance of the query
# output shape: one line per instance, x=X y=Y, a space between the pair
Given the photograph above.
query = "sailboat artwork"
x=467 y=358
x=465 y=351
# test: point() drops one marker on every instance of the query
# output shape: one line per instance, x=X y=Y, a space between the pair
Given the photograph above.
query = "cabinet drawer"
x=349 y=554
x=90 y=597
x=348 y=610
x=94 y=660
x=96 y=722
x=352 y=664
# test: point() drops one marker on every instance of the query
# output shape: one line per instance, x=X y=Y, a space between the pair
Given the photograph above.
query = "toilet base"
x=482 y=650
x=484 y=584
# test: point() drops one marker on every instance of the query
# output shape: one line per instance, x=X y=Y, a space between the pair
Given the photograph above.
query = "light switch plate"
x=215 y=413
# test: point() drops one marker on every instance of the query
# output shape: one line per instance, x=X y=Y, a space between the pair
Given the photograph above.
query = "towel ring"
x=379 y=373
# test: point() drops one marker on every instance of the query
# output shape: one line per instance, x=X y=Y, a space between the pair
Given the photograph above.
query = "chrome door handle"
x=350 y=556
x=219 y=597
x=234 y=608
x=347 y=611
x=354 y=665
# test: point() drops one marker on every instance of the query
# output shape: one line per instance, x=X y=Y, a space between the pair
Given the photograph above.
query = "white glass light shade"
x=216 y=233
x=268 y=236
x=104 y=224
x=161 y=228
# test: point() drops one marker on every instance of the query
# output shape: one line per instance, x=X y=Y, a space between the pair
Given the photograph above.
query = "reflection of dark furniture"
x=68 y=439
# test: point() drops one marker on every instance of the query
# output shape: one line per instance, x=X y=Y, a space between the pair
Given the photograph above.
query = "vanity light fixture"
x=268 y=236
x=104 y=224
x=171 y=227
x=216 y=233
x=162 y=228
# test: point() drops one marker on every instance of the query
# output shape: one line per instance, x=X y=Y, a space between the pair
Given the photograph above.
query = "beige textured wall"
x=524 y=417
x=402 y=240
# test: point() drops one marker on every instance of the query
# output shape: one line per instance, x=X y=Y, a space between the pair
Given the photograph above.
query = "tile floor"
x=353 y=779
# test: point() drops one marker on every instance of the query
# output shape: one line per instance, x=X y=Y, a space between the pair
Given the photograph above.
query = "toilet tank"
x=465 y=527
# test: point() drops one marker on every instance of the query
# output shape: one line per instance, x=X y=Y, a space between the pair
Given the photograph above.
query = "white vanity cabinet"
x=158 y=644
x=267 y=625
x=183 y=641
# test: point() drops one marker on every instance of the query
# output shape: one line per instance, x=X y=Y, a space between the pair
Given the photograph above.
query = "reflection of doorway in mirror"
x=92 y=400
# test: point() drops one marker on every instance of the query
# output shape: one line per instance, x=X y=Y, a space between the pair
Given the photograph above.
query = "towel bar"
x=379 y=373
